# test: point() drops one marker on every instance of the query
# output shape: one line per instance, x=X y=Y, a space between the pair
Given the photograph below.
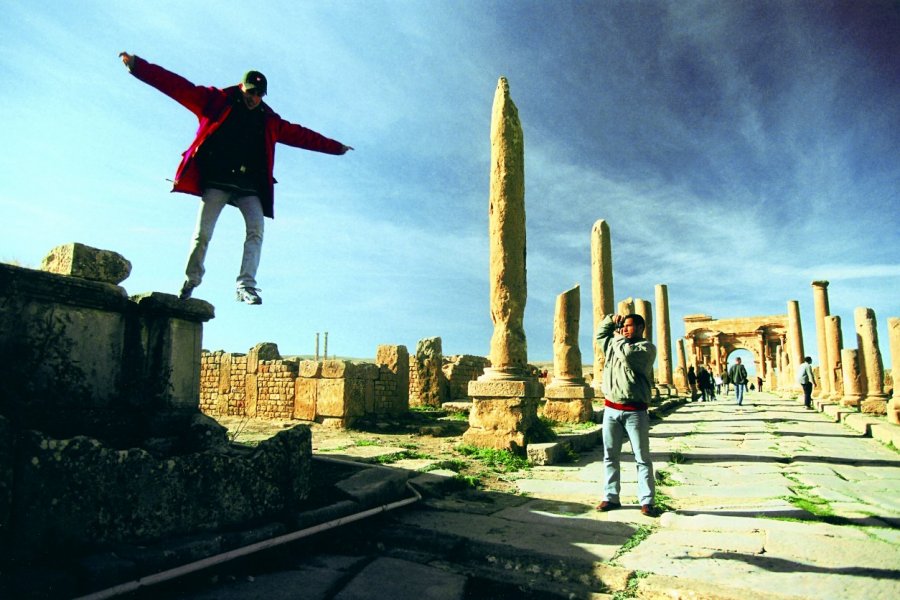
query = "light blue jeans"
x=739 y=392
x=636 y=425
x=211 y=206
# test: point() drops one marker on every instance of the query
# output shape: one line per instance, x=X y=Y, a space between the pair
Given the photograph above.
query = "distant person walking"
x=738 y=376
x=627 y=380
x=230 y=161
x=704 y=382
x=806 y=379
x=692 y=381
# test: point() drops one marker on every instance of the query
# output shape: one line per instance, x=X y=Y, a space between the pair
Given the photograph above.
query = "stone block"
x=78 y=260
x=333 y=369
x=568 y=410
x=251 y=395
x=860 y=422
x=546 y=454
x=887 y=433
x=512 y=388
x=331 y=399
x=310 y=368
x=568 y=392
x=876 y=406
x=305 y=398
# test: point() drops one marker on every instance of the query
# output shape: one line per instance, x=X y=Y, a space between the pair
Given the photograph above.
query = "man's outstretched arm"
x=189 y=95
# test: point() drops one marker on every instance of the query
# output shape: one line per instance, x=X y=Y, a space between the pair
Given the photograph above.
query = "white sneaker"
x=249 y=295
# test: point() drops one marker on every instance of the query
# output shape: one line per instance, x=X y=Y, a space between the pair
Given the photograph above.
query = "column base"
x=503 y=412
x=874 y=405
x=568 y=403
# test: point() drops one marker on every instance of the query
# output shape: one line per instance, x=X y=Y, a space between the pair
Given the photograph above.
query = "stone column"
x=852 y=381
x=716 y=352
x=871 y=367
x=506 y=397
x=601 y=291
x=834 y=341
x=626 y=306
x=795 y=348
x=643 y=308
x=663 y=336
x=568 y=397
x=893 y=407
x=680 y=376
x=820 y=305
x=763 y=371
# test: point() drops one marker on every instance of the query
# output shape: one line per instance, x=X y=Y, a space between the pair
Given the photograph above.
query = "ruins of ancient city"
x=109 y=432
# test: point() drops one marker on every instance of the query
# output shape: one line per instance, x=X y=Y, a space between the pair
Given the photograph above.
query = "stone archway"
x=711 y=341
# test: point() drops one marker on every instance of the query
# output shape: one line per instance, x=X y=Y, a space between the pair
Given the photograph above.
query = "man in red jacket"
x=230 y=161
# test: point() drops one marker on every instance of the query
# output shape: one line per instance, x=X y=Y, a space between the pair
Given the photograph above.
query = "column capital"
x=820 y=284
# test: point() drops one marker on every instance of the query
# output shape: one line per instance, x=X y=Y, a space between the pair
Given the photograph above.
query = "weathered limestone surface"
x=497 y=420
x=506 y=221
x=834 y=340
x=461 y=369
x=428 y=387
x=392 y=386
x=601 y=289
x=663 y=336
x=871 y=367
x=78 y=260
x=680 y=375
x=893 y=408
x=851 y=377
x=101 y=439
x=820 y=305
x=568 y=396
x=643 y=308
x=626 y=306
x=795 y=343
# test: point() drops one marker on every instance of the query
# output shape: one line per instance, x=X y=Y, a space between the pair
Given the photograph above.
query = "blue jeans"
x=739 y=392
x=213 y=202
x=635 y=424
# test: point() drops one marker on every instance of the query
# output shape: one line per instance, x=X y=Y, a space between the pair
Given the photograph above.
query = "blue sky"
x=738 y=150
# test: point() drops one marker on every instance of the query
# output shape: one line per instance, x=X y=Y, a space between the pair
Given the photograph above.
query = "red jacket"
x=211 y=106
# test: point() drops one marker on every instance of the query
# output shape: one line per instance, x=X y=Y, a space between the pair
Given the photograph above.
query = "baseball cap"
x=255 y=80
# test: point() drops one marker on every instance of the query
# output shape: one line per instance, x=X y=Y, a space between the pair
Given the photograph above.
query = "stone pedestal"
x=569 y=403
x=851 y=376
x=502 y=413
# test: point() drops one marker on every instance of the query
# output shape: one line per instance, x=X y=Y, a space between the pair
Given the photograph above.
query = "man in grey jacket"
x=627 y=379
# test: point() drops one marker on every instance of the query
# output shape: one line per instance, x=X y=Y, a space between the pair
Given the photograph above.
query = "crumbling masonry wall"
x=262 y=384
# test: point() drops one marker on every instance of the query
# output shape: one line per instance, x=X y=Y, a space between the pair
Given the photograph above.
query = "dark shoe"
x=608 y=505
x=648 y=510
x=249 y=295
x=186 y=290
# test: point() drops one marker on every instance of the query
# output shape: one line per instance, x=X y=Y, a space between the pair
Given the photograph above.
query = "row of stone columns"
x=853 y=377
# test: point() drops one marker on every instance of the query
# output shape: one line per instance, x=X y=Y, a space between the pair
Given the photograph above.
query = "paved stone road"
x=771 y=501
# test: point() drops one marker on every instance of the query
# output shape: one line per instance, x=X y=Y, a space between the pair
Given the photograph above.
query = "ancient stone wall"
x=331 y=392
x=459 y=370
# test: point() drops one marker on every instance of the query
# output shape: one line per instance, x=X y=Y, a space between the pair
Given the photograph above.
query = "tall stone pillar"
x=763 y=371
x=568 y=396
x=852 y=380
x=663 y=336
x=795 y=340
x=820 y=305
x=680 y=375
x=871 y=367
x=893 y=407
x=835 y=341
x=626 y=306
x=506 y=397
x=716 y=352
x=601 y=290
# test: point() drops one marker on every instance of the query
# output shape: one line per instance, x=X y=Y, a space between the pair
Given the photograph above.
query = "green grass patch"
x=642 y=533
x=664 y=478
x=456 y=416
x=501 y=461
x=366 y=443
x=387 y=459
x=662 y=501
x=540 y=432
